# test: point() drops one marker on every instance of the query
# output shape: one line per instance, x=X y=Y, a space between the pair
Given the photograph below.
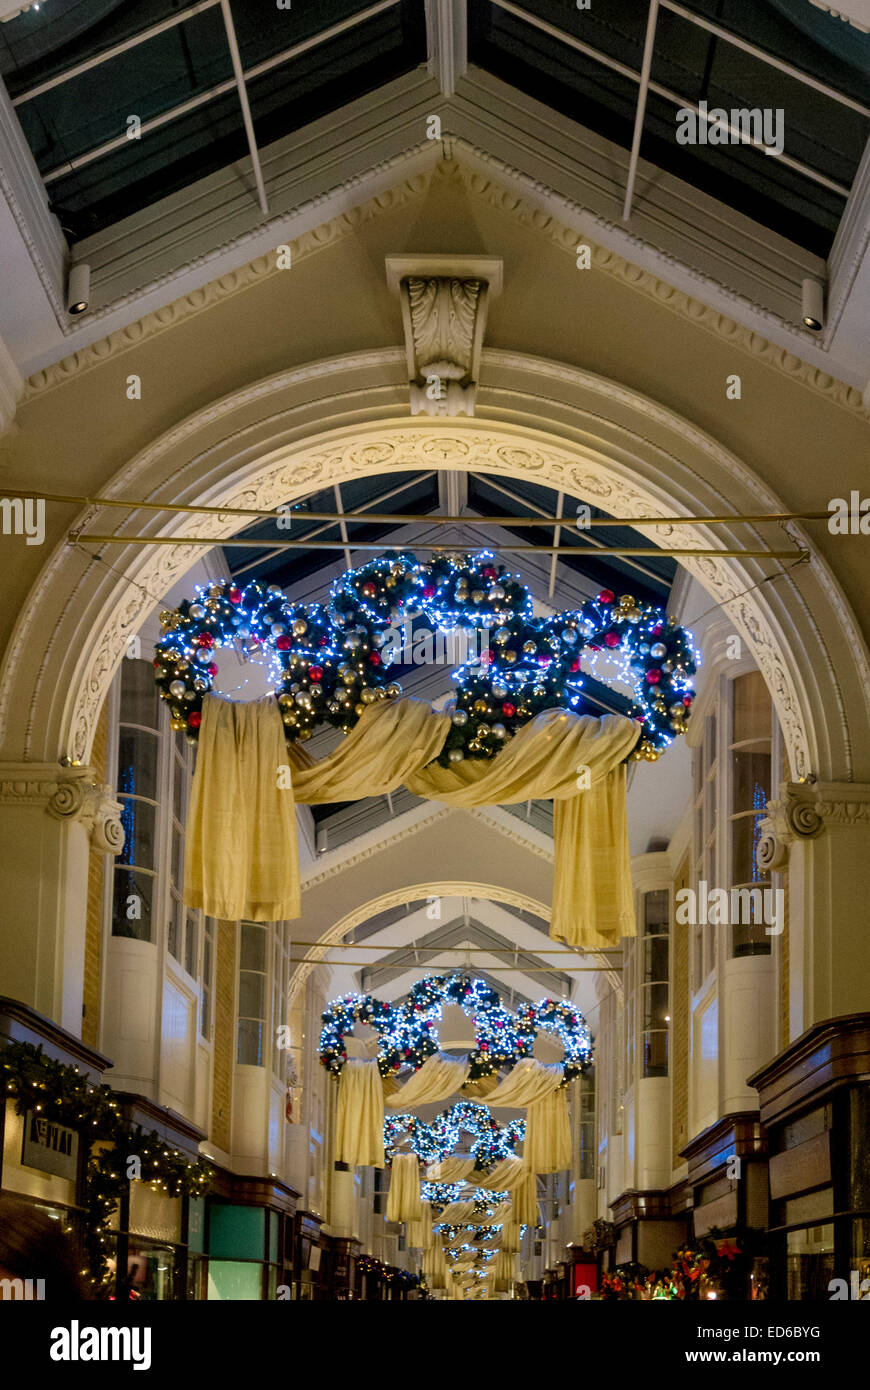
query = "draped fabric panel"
x=438 y=1078
x=435 y=1265
x=420 y=1232
x=242 y=855
x=403 y=1202
x=525 y=1201
x=239 y=825
x=547 y=1146
x=359 y=1121
x=529 y=1081
x=508 y=1174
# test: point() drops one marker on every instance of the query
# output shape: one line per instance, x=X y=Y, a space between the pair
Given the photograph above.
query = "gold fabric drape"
x=242 y=859
x=359 y=1119
x=403 y=1201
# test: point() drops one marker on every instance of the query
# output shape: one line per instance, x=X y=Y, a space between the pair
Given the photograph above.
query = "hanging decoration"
x=432 y=1142
x=328 y=662
x=62 y=1094
x=407 y=1035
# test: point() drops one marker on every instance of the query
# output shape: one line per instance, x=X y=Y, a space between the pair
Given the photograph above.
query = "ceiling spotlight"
x=78 y=290
x=813 y=304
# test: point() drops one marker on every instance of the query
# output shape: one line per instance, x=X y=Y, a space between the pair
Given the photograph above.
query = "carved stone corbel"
x=803 y=811
x=66 y=794
x=444 y=307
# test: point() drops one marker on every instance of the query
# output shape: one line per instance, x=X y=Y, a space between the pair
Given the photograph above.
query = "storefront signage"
x=50 y=1147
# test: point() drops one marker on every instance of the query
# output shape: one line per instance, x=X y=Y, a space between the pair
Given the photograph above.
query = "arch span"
x=590 y=437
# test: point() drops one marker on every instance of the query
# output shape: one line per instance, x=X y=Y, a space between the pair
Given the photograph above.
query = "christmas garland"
x=329 y=662
x=714 y=1263
x=61 y=1094
x=432 y=1142
x=407 y=1036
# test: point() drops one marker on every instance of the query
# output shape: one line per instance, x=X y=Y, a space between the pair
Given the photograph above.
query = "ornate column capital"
x=444 y=307
x=803 y=810
x=66 y=793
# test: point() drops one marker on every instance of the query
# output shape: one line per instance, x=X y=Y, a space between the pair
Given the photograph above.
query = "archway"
x=573 y=430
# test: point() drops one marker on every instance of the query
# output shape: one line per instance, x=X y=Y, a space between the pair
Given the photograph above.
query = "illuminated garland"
x=407 y=1035
x=328 y=662
x=62 y=1094
x=491 y=1142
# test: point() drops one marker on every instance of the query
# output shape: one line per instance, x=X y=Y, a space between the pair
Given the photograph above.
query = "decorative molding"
x=487 y=188
x=66 y=795
x=804 y=810
x=842 y=13
x=385 y=842
x=444 y=306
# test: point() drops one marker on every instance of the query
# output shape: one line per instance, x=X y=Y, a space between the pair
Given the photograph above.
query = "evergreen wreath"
x=329 y=662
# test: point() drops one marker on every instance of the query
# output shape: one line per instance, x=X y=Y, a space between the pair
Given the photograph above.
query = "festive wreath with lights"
x=407 y=1034
x=328 y=662
x=432 y=1142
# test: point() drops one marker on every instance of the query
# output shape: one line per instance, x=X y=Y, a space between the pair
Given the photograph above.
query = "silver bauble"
x=460 y=717
x=196 y=611
x=658 y=650
x=177 y=688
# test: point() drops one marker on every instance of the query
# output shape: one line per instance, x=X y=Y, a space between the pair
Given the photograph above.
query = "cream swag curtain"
x=241 y=856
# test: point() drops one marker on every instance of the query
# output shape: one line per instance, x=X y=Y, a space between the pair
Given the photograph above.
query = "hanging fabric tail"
x=359 y=1121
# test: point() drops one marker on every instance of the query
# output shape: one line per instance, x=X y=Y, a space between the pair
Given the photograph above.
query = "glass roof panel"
x=819 y=131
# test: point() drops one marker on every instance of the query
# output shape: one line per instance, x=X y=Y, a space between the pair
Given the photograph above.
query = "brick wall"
x=224 y=1033
x=98 y=865
x=680 y=1027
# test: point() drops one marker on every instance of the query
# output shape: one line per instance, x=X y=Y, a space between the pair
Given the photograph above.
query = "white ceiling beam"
x=640 y=109
x=447 y=42
x=247 y=119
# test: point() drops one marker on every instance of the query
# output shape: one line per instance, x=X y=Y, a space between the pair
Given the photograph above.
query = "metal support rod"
x=336 y=492
x=409 y=518
x=75 y=537
x=640 y=109
x=247 y=119
x=367 y=964
x=557 y=531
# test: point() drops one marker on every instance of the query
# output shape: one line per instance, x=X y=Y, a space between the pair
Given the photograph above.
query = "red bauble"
x=194 y=719
x=487 y=657
x=611 y=639
x=544 y=660
x=369 y=590
x=508 y=710
x=284 y=642
x=654 y=675
x=606 y=596
x=640 y=718
x=212 y=669
x=315 y=673
x=205 y=639
x=687 y=700
x=156 y=662
x=375 y=658
x=429 y=591
x=575 y=664
x=234 y=595
x=489 y=573
x=659 y=627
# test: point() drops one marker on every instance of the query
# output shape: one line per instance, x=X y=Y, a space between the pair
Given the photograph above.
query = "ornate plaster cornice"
x=491 y=190
x=66 y=795
x=803 y=810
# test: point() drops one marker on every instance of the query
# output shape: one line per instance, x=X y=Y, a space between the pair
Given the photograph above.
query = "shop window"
x=242 y=1258
x=810 y=1262
x=656 y=989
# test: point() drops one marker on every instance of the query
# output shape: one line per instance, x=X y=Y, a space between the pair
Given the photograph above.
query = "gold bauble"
x=359 y=709
x=177 y=724
x=480 y=707
x=215 y=591
x=394 y=690
x=367 y=695
x=165 y=617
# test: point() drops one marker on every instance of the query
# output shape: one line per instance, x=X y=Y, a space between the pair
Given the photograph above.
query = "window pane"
x=745 y=839
x=656 y=918
x=251 y=995
x=752 y=712
x=655 y=1054
x=131 y=906
x=140 y=703
x=655 y=1006
x=253 y=949
x=750 y=939
x=177 y=868
x=250 y=1042
x=179 y=779
x=176 y=927
x=137 y=763
x=138 y=819
x=810 y=1263
x=191 y=943
x=655 y=964
x=750 y=774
